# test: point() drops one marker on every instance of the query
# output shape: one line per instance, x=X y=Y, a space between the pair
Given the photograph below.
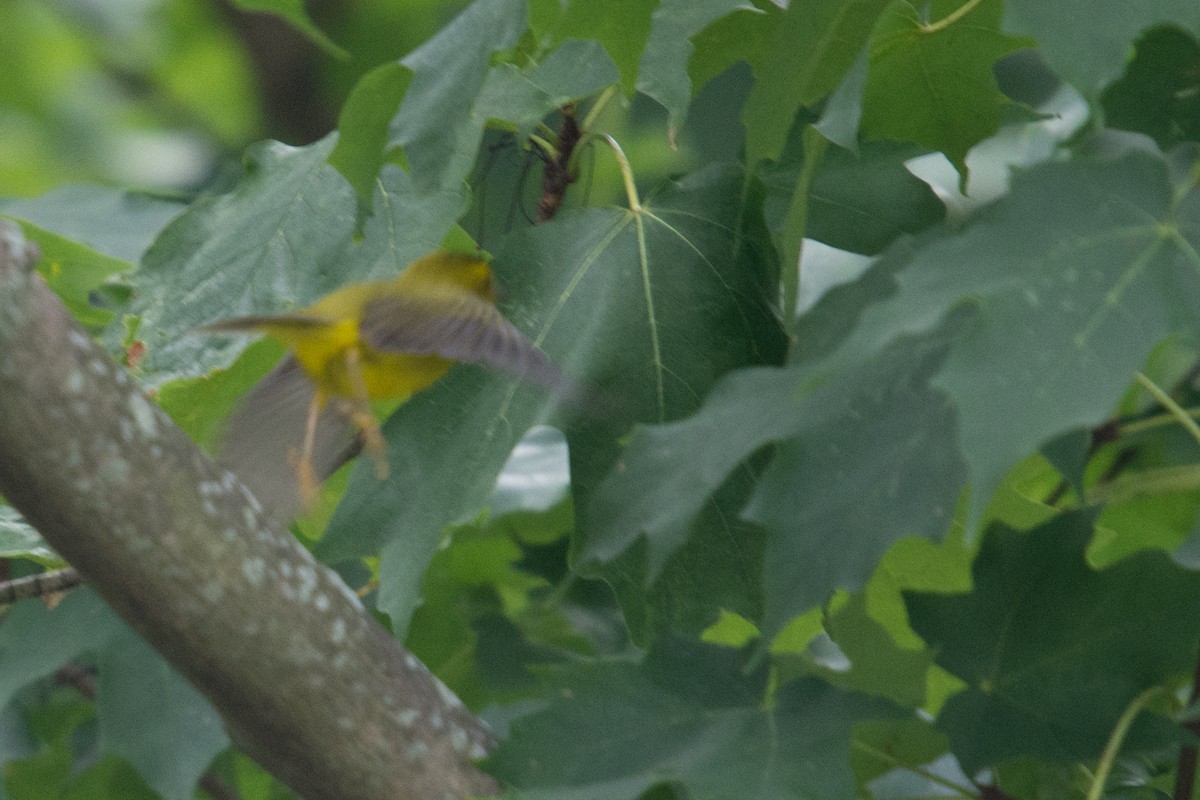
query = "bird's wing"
x=268 y=425
x=461 y=328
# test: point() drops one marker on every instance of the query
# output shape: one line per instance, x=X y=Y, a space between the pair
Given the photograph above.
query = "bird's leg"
x=359 y=412
x=305 y=476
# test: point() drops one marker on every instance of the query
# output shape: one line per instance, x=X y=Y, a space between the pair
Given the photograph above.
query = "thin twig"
x=39 y=585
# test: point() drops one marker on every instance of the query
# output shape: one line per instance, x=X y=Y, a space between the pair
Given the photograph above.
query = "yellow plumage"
x=364 y=342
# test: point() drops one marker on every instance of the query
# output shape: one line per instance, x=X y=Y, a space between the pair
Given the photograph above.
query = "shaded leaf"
x=88 y=233
x=521 y=98
x=1071 y=281
x=663 y=70
x=843 y=111
x=112 y=777
x=647 y=308
x=445 y=99
x=18 y=539
x=270 y=243
x=717 y=568
x=811 y=50
x=868 y=448
x=862 y=459
x=860 y=202
x=435 y=125
x=621 y=26
x=35 y=641
x=690 y=715
x=1054 y=651
x=883 y=752
x=118 y=223
x=872 y=459
x=140 y=696
x=361 y=148
x=1088 y=45
x=730 y=39
x=1159 y=94
x=150 y=716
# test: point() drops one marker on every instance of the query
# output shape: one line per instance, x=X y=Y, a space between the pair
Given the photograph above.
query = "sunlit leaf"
x=621 y=26
x=280 y=240
x=934 y=85
x=18 y=539
x=293 y=11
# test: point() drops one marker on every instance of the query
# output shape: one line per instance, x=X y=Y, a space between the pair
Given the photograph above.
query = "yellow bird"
x=364 y=342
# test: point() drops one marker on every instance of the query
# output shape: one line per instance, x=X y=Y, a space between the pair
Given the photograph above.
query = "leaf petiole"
x=1116 y=738
x=1170 y=405
x=951 y=18
x=635 y=204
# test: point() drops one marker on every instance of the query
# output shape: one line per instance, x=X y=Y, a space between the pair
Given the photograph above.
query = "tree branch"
x=305 y=680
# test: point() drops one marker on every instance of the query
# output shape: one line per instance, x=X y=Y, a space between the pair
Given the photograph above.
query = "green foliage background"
x=917 y=523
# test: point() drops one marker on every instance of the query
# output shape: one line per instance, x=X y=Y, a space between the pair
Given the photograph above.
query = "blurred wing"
x=462 y=328
x=268 y=425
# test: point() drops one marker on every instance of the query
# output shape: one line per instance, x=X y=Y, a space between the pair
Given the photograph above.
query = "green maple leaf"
x=862 y=458
x=283 y=238
x=1053 y=651
x=1157 y=95
x=932 y=84
x=984 y=342
x=647 y=308
x=811 y=48
x=689 y=715
x=663 y=70
x=1089 y=54
x=148 y=713
x=878 y=666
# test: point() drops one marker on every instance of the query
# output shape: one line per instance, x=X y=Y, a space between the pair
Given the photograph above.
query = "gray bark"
x=308 y=684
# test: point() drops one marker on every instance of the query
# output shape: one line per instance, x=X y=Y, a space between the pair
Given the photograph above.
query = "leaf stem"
x=1116 y=738
x=1168 y=403
x=951 y=18
x=550 y=150
x=597 y=107
x=1156 y=421
x=548 y=133
x=635 y=205
x=1163 y=480
x=796 y=222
